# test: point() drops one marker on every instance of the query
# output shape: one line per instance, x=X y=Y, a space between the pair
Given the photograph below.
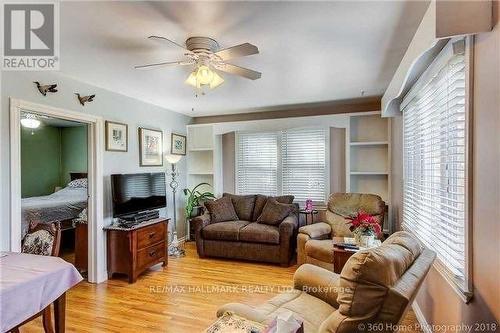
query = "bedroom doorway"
x=56 y=176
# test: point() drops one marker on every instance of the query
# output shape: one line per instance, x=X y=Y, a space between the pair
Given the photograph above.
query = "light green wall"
x=73 y=151
x=40 y=160
x=48 y=155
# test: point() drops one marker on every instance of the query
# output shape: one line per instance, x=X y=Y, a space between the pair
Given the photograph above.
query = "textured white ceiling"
x=309 y=51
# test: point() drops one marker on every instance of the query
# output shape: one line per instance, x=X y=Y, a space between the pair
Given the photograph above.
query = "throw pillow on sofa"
x=243 y=205
x=274 y=212
x=221 y=210
x=260 y=202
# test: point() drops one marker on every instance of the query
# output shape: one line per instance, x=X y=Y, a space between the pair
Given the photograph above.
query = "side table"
x=308 y=213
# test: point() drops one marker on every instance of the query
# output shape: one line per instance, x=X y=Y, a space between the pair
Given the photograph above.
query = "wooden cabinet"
x=133 y=250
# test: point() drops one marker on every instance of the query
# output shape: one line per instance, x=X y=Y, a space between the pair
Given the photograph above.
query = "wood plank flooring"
x=182 y=297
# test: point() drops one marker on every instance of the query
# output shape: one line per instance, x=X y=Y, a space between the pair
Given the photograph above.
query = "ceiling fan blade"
x=164 y=40
x=238 y=51
x=164 y=64
x=241 y=71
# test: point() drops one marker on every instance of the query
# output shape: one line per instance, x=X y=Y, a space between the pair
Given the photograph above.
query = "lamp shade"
x=173 y=159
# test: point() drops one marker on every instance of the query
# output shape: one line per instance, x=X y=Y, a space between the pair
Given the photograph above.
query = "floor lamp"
x=174 y=248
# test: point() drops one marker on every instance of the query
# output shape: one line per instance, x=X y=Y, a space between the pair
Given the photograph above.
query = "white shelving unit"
x=368 y=159
x=203 y=157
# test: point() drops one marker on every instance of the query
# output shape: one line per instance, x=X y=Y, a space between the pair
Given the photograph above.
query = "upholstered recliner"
x=376 y=286
x=314 y=245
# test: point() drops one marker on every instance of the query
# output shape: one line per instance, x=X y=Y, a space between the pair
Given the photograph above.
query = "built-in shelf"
x=367 y=153
x=367 y=173
x=369 y=143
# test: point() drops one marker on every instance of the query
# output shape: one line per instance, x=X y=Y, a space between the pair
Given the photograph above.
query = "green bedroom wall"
x=73 y=151
x=49 y=155
x=40 y=161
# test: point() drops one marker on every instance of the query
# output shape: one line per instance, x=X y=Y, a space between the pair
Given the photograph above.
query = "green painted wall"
x=49 y=155
x=73 y=151
x=40 y=161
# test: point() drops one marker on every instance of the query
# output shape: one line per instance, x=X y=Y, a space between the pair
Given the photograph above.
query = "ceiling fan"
x=204 y=53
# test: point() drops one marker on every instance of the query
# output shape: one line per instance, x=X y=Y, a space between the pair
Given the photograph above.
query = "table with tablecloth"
x=29 y=283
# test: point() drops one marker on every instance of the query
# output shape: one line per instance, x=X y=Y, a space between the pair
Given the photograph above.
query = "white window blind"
x=285 y=162
x=304 y=164
x=257 y=163
x=434 y=131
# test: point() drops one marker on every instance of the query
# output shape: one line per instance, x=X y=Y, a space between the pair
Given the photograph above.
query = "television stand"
x=133 y=250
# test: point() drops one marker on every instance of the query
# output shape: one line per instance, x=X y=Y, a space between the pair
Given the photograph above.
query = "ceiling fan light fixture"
x=216 y=81
x=204 y=76
x=192 y=81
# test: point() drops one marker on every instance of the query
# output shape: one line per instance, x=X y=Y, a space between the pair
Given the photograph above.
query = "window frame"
x=279 y=178
x=443 y=56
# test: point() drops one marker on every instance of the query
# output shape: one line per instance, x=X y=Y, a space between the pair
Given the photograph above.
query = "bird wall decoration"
x=45 y=88
x=85 y=99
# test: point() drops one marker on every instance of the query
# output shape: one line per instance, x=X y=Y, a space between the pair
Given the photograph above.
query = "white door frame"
x=96 y=249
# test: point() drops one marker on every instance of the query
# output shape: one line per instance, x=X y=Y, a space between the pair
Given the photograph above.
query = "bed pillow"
x=78 y=183
x=274 y=212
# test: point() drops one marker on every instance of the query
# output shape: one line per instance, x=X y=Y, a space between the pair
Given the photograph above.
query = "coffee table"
x=340 y=256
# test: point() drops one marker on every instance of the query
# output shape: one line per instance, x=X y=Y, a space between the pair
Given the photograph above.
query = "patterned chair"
x=42 y=239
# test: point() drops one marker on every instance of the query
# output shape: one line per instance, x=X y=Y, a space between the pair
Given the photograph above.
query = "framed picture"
x=150 y=147
x=178 y=144
x=116 y=136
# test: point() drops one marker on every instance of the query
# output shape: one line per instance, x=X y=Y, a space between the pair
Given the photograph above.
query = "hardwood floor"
x=178 y=298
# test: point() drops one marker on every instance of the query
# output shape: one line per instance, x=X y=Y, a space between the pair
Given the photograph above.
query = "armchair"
x=314 y=243
x=363 y=293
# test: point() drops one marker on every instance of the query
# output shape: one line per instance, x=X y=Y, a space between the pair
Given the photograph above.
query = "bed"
x=65 y=204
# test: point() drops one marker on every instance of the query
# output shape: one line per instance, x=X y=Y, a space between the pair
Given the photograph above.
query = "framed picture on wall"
x=178 y=144
x=116 y=136
x=150 y=147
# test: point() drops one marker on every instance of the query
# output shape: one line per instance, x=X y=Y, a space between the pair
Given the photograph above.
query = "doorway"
x=70 y=124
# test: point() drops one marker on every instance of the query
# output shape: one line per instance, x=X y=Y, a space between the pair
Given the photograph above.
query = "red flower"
x=365 y=222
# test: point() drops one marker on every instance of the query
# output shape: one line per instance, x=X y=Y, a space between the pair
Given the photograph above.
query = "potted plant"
x=194 y=198
x=365 y=227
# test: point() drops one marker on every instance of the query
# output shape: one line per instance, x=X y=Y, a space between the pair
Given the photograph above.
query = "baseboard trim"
x=424 y=325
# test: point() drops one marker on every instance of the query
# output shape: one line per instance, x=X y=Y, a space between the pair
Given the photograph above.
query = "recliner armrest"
x=318 y=282
x=319 y=230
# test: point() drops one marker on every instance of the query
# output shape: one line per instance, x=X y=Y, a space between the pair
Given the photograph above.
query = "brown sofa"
x=245 y=238
x=375 y=289
x=314 y=242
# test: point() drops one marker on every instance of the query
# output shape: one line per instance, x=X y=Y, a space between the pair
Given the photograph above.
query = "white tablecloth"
x=28 y=283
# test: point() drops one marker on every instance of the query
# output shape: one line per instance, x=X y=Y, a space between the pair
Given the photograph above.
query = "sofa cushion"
x=260 y=202
x=320 y=249
x=243 y=205
x=224 y=230
x=274 y=212
x=260 y=233
x=369 y=274
x=221 y=210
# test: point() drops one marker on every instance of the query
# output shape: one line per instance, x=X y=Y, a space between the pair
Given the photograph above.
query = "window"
x=435 y=150
x=257 y=163
x=303 y=156
x=285 y=162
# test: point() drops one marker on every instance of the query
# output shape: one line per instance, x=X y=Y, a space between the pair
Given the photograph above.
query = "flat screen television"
x=133 y=193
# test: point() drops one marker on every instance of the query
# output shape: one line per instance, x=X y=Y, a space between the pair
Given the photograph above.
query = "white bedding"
x=61 y=205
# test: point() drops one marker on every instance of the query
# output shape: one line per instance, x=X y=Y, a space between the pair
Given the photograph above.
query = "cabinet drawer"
x=150 y=235
x=150 y=254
